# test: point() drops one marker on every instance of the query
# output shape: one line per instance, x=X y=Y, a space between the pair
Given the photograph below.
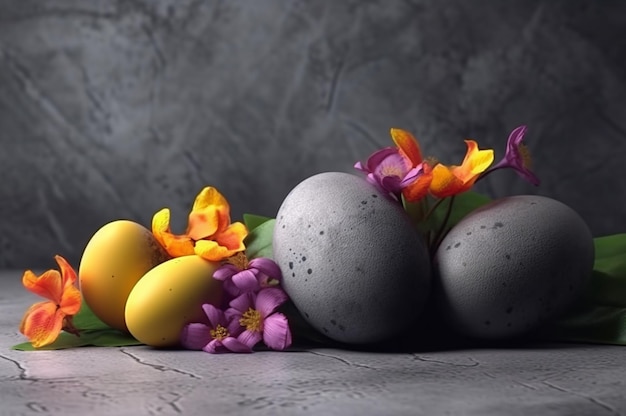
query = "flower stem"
x=441 y=231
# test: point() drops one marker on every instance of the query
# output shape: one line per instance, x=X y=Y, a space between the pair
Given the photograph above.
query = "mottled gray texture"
x=347 y=251
x=114 y=109
x=536 y=379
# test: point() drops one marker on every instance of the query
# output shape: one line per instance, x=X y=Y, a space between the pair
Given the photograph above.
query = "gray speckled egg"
x=352 y=263
x=511 y=265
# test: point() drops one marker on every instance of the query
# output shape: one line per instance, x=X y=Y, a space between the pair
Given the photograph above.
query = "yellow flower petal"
x=210 y=214
x=452 y=180
x=475 y=162
x=444 y=183
x=175 y=245
x=212 y=251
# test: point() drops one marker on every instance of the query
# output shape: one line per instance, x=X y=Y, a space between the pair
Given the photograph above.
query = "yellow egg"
x=115 y=258
x=170 y=296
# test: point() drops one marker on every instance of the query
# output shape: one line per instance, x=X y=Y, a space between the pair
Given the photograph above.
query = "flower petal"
x=235 y=345
x=276 y=332
x=475 y=162
x=377 y=157
x=269 y=299
x=444 y=183
x=203 y=224
x=214 y=347
x=243 y=302
x=233 y=236
x=175 y=245
x=216 y=316
x=70 y=300
x=67 y=272
x=195 y=336
x=246 y=281
x=515 y=138
x=210 y=250
x=42 y=323
x=407 y=145
x=210 y=213
x=49 y=285
x=225 y=272
x=419 y=188
x=250 y=338
x=266 y=266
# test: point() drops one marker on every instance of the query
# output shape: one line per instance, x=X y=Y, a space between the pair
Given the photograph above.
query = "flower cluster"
x=404 y=175
x=250 y=315
x=252 y=286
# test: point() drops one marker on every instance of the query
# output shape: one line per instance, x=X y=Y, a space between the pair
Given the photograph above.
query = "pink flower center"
x=251 y=320
x=219 y=333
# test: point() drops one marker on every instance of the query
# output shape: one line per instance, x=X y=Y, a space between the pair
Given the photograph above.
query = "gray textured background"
x=114 y=109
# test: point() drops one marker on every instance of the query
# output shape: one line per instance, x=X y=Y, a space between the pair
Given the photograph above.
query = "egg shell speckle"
x=352 y=262
x=512 y=265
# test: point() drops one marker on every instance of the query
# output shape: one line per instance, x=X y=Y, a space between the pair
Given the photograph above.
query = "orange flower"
x=209 y=233
x=410 y=150
x=43 y=321
x=452 y=180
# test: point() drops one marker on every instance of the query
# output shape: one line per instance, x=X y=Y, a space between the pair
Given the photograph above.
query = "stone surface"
x=115 y=109
x=546 y=379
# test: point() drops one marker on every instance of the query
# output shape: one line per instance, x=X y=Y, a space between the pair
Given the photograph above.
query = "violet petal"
x=246 y=281
x=250 y=338
x=225 y=272
x=374 y=161
x=216 y=316
x=242 y=302
x=234 y=345
x=195 y=336
x=269 y=299
x=276 y=332
x=267 y=267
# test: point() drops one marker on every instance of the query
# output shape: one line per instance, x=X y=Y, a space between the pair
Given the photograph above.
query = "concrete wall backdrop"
x=115 y=109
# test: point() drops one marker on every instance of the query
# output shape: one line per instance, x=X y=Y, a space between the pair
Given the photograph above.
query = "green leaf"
x=85 y=319
x=600 y=316
x=429 y=214
x=252 y=221
x=593 y=324
x=97 y=338
x=259 y=240
x=463 y=204
x=608 y=282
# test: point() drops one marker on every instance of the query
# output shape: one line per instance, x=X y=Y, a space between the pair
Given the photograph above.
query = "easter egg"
x=352 y=262
x=170 y=296
x=512 y=265
x=115 y=258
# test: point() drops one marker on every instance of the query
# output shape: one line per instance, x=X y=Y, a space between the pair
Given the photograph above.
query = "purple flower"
x=217 y=337
x=241 y=276
x=390 y=171
x=256 y=313
x=517 y=156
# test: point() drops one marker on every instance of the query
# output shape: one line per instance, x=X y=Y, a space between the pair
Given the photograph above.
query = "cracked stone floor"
x=567 y=379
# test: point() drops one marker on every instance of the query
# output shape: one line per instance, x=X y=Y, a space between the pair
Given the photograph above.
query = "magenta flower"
x=389 y=171
x=241 y=276
x=256 y=313
x=517 y=156
x=217 y=337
